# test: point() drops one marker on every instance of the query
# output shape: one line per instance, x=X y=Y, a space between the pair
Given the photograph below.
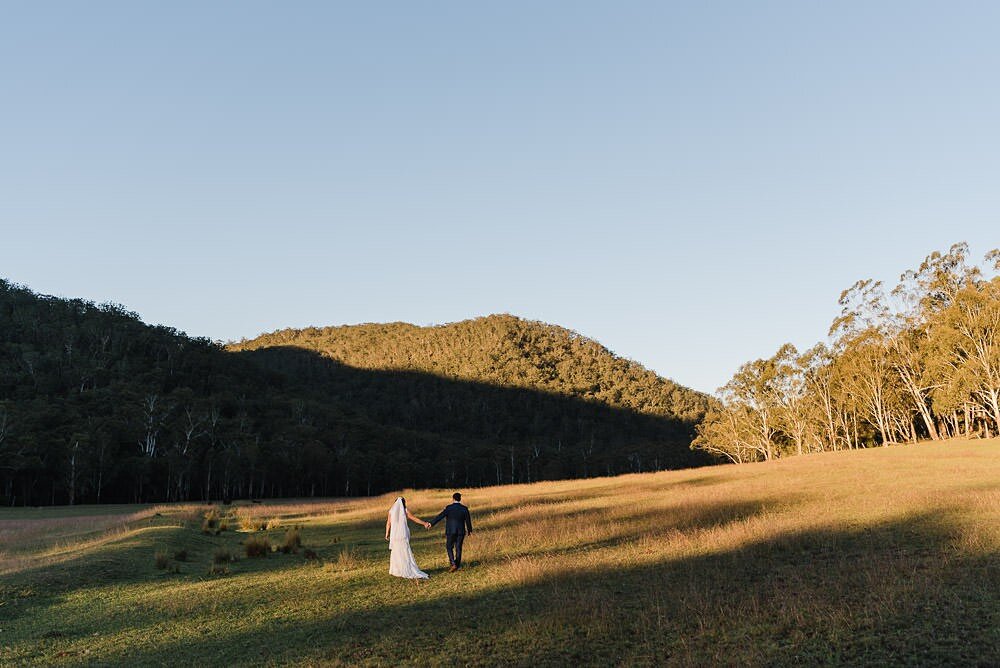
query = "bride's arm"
x=426 y=525
x=388 y=524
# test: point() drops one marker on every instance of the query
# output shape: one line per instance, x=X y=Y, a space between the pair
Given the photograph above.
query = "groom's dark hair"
x=457 y=496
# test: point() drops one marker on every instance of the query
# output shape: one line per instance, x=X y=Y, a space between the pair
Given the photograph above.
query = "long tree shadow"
x=441 y=431
x=127 y=562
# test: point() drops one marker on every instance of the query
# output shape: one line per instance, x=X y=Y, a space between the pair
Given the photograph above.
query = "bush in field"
x=192 y=516
x=292 y=542
x=348 y=559
x=218 y=569
x=180 y=555
x=249 y=520
x=211 y=522
x=162 y=560
x=257 y=546
x=222 y=556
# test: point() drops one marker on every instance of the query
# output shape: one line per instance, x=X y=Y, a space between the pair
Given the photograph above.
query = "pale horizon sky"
x=690 y=184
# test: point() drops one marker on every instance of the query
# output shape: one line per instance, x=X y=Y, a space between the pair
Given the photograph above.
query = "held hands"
x=427 y=525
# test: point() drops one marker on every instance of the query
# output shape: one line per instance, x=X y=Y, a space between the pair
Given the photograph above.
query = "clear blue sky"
x=691 y=184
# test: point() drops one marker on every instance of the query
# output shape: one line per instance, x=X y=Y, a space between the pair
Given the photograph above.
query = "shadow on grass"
x=898 y=593
x=128 y=561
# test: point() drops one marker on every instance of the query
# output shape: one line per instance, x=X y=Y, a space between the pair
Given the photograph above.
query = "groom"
x=454 y=529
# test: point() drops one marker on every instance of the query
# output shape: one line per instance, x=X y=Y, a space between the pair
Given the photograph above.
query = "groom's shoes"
x=453 y=568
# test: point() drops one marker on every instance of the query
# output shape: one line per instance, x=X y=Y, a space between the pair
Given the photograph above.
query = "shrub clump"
x=348 y=559
x=218 y=569
x=192 y=517
x=222 y=556
x=210 y=524
x=249 y=521
x=181 y=555
x=257 y=547
x=292 y=542
x=162 y=560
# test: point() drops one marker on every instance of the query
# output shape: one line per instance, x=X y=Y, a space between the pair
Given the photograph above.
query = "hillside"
x=500 y=350
x=97 y=406
x=886 y=556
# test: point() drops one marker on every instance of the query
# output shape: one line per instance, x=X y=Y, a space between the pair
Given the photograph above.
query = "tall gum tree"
x=967 y=337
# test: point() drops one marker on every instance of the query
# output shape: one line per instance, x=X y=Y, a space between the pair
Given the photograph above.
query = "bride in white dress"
x=397 y=532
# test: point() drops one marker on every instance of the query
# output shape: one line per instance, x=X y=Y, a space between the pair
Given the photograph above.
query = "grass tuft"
x=249 y=518
x=222 y=556
x=348 y=559
x=257 y=546
x=292 y=541
x=162 y=560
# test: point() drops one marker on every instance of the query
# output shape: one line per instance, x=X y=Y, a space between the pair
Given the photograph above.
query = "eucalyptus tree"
x=798 y=415
x=754 y=407
x=727 y=432
x=967 y=341
x=822 y=384
x=920 y=295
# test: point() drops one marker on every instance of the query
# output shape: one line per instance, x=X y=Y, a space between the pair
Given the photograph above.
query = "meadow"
x=881 y=556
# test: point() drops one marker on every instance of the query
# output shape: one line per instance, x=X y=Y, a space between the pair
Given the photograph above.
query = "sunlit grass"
x=879 y=556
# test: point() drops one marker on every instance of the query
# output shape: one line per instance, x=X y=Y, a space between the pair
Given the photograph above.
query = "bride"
x=397 y=532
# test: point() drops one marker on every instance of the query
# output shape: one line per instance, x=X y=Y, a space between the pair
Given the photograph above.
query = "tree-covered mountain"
x=95 y=405
x=498 y=350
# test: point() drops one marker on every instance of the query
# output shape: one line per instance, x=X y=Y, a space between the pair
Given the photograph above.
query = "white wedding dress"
x=401 y=561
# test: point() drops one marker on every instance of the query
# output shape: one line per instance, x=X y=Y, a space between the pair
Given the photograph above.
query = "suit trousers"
x=454 y=545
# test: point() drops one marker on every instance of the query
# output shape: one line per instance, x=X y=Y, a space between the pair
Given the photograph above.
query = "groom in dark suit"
x=458 y=520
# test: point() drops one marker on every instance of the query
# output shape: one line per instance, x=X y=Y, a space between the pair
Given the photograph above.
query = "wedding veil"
x=399 y=530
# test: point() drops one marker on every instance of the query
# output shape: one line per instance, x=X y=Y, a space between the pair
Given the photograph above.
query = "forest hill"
x=96 y=406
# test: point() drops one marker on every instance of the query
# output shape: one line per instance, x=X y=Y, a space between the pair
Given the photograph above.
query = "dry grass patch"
x=222 y=555
x=257 y=546
x=291 y=542
x=347 y=559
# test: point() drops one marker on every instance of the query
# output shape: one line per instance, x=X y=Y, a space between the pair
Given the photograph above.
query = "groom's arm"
x=438 y=518
x=468 y=521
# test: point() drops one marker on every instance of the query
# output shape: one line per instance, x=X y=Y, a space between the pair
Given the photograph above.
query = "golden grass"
x=825 y=558
x=49 y=540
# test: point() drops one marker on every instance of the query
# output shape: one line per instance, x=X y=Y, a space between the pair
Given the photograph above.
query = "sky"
x=691 y=184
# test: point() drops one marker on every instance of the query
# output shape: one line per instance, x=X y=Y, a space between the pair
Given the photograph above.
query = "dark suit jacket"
x=458 y=520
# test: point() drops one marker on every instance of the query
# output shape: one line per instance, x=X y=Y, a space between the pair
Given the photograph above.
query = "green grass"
x=887 y=556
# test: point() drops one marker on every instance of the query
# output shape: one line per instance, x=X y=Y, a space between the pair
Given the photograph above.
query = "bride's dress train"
x=401 y=561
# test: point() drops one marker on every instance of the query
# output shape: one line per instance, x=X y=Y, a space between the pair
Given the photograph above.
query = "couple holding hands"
x=397 y=532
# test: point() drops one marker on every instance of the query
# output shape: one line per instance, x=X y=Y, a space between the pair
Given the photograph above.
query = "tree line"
x=917 y=360
x=97 y=406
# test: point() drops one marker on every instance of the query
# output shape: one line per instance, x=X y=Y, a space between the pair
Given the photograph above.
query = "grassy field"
x=885 y=556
